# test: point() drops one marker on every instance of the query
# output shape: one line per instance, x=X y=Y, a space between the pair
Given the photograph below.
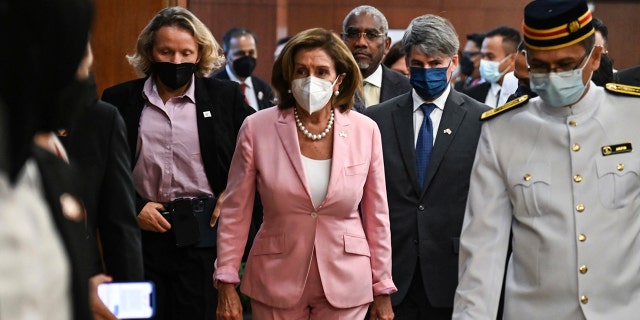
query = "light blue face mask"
x=559 y=89
x=490 y=70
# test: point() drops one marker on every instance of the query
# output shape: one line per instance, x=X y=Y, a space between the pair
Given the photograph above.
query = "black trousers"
x=416 y=305
x=182 y=276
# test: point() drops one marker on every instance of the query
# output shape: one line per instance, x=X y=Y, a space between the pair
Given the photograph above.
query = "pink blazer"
x=353 y=253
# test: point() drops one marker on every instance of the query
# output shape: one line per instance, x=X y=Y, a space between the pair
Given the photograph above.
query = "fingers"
x=216 y=210
x=151 y=219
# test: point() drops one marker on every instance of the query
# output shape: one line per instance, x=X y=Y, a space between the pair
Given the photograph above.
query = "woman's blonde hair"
x=210 y=53
x=283 y=67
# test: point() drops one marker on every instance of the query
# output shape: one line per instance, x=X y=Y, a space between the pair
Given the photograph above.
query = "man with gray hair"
x=429 y=138
x=364 y=31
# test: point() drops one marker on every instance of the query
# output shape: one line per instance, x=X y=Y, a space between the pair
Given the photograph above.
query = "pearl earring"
x=336 y=93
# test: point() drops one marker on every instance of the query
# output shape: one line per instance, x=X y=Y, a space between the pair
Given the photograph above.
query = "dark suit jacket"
x=426 y=224
x=393 y=84
x=98 y=149
x=217 y=133
x=629 y=76
x=260 y=87
x=58 y=179
x=479 y=92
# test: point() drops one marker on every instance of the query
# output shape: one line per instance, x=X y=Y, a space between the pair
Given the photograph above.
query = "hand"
x=150 y=218
x=98 y=309
x=216 y=210
x=381 y=308
x=229 y=305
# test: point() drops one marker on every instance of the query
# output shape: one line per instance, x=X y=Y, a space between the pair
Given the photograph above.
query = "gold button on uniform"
x=575 y=147
x=527 y=177
x=314 y=215
x=620 y=167
x=577 y=178
x=583 y=269
x=582 y=237
x=584 y=299
x=572 y=123
x=580 y=207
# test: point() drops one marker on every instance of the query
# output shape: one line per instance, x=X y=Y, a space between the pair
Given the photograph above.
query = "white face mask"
x=312 y=93
x=490 y=70
x=559 y=89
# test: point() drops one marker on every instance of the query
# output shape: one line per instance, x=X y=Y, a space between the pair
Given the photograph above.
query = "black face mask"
x=174 y=75
x=466 y=65
x=244 y=66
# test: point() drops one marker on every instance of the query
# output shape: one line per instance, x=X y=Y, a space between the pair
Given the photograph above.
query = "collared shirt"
x=249 y=92
x=436 y=114
x=493 y=95
x=373 y=83
x=35 y=282
x=169 y=164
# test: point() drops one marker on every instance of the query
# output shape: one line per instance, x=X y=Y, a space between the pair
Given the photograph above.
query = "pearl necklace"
x=309 y=134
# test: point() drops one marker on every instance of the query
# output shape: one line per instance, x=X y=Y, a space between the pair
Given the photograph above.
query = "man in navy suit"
x=364 y=30
x=427 y=197
x=239 y=46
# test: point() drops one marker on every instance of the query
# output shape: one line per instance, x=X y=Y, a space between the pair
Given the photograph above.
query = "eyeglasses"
x=355 y=35
x=562 y=67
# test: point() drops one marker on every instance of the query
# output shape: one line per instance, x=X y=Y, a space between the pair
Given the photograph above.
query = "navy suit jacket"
x=426 y=223
x=261 y=88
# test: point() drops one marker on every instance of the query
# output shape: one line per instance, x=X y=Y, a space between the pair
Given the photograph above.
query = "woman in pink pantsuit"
x=313 y=162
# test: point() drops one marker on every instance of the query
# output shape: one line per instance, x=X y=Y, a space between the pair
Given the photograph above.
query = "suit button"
x=527 y=177
x=620 y=167
x=583 y=269
x=421 y=207
x=314 y=215
x=584 y=299
x=580 y=207
x=582 y=237
x=577 y=178
x=572 y=123
x=415 y=241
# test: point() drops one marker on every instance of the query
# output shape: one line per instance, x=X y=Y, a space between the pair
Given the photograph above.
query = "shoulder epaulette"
x=623 y=89
x=517 y=102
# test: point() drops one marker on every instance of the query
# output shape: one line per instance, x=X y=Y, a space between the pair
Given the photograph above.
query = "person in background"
x=43 y=246
x=181 y=130
x=605 y=72
x=240 y=49
x=394 y=59
x=470 y=62
x=279 y=45
x=499 y=49
x=521 y=73
x=429 y=138
x=629 y=76
x=316 y=255
x=561 y=175
x=364 y=30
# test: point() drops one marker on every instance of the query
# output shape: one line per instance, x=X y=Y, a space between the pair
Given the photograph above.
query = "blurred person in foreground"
x=181 y=130
x=43 y=247
x=561 y=175
x=314 y=161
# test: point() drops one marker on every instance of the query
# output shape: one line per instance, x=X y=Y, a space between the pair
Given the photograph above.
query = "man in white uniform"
x=561 y=174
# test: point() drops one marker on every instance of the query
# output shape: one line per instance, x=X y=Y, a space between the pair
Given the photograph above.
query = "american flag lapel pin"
x=447 y=131
x=207 y=114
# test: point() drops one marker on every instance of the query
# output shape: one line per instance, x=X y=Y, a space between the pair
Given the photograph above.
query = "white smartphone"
x=128 y=300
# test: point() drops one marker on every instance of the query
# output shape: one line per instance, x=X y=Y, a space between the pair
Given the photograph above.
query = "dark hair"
x=395 y=52
x=510 y=37
x=600 y=26
x=604 y=73
x=476 y=38
x=235 y=32
x=283 y=67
